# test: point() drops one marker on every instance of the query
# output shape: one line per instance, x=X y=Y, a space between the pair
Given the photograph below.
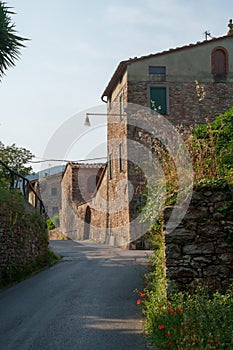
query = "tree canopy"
x=16 y=158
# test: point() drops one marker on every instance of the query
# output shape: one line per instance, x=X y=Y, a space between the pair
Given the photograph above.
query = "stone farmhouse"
x=186 y=85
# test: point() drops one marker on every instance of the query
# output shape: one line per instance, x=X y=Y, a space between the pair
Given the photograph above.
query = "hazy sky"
x=74 y=49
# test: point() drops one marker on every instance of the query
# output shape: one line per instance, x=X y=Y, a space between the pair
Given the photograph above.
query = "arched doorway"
x=87 y=223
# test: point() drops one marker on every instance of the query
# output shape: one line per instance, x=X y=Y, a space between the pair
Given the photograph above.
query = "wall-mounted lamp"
x=87 y=119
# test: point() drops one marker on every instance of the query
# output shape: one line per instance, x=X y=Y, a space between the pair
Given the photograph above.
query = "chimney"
x=230 y=26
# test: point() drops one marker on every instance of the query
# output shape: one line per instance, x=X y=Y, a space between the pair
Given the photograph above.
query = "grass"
x=16 y=274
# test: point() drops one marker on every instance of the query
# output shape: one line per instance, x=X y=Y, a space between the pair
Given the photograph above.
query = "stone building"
x=84 y=196
x=49 y=190
x=185 y=85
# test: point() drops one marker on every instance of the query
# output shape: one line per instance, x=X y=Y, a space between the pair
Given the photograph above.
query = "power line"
x=64 y=160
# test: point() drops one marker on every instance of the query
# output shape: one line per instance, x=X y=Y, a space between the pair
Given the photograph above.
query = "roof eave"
x=114 y=80
x=124 y=64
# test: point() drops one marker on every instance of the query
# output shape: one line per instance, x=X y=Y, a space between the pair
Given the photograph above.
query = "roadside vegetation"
x=199 y=319
x=19 y=223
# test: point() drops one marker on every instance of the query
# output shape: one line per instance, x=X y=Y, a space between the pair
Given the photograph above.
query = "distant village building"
x=48 y=188
x=186 y=85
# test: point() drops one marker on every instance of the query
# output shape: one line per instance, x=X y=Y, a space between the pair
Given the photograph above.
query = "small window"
x=157 y=70
x=54 y=191
x=120 y=158
x=158 y=99
x=110 y=165
x=55 y=211
x=121 y=106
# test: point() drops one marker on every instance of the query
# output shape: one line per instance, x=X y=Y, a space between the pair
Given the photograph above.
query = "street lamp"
x=87 y=119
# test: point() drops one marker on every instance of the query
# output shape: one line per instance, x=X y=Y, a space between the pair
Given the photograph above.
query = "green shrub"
x=16 y=273
x=50 y=224
x=190 y=321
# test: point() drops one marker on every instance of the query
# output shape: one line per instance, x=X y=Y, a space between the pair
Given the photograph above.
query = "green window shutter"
x=158 y=99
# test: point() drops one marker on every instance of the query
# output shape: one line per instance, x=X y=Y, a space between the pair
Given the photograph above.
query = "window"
x=161 y=70
x=219 y=60
x=121 y=106
x=158 y=99
x=120 y=158
x=110 y=165
x=53 y=191
x=55 y=211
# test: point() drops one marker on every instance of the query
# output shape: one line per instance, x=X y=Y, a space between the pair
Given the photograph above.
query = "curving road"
x=85 y=302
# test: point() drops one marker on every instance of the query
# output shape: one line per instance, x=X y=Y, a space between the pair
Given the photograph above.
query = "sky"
x=74 y=49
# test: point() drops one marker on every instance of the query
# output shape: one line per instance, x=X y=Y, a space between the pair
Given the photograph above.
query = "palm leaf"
x=10 y=42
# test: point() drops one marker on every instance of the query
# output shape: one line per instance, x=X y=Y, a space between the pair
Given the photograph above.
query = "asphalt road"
x=85 y=302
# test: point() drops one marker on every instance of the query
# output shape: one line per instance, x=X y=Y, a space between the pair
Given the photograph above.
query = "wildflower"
x=217 y=342
x=142 y=294
x=170 y=343
x=169 y=308
x=180 y=310
x=168 y=335
x=138 y=302
x=172 y=313
x=161 y=326
x=209 y=341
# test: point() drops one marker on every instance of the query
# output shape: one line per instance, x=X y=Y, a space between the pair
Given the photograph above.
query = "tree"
x=16 y=158
x=10 y=43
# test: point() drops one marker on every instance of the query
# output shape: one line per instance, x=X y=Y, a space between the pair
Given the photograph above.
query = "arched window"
x=219 y=60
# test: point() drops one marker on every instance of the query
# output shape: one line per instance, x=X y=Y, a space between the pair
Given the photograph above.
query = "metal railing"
x=21 y=183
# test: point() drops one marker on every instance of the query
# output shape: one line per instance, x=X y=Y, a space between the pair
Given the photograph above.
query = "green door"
x=158 y=99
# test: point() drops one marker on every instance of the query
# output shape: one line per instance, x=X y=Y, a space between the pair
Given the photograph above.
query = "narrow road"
x=85 y=302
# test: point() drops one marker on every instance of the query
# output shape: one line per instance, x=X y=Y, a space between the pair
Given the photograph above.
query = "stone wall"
x=200 y=249
x=23 y=238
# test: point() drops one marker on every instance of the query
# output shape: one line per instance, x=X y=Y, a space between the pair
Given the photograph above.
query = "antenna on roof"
x=207 y=34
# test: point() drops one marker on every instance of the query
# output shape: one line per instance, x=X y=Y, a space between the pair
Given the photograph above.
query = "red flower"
x=170 y=343
x=161 y=326
x=217 y=342
x=172 y=313
x=168 y=335
x=138 y=302
x=210 y=341
x=142 y=294
x=169 y=308
x=180 y=310
x=149 y=266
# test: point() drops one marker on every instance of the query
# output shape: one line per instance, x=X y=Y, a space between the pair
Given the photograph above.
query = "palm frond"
x=10 y=42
